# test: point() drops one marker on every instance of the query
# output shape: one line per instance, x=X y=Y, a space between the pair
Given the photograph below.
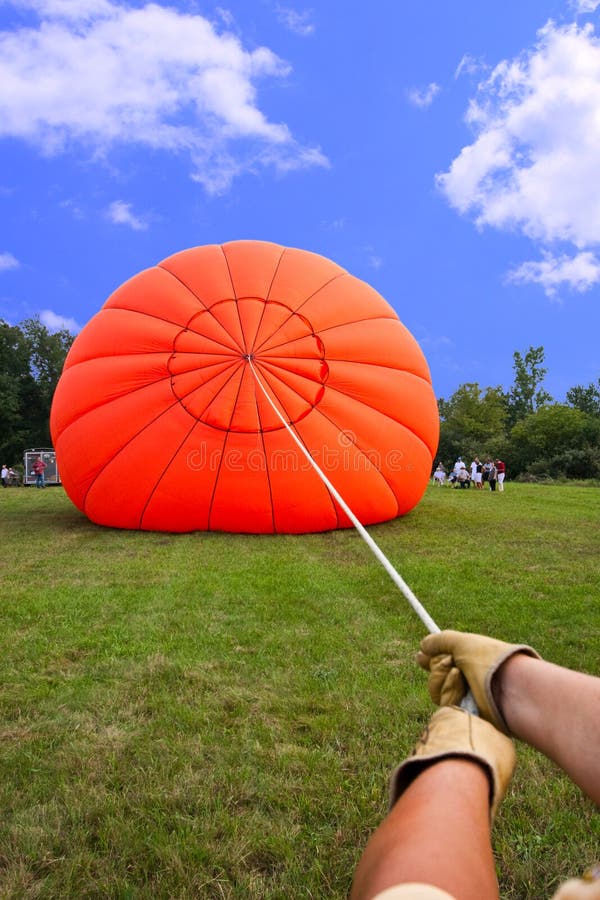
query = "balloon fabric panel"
x=119 y=332
x=390 y=449
x=120 y=492
x=106 y=379
x=380 y=341
x=157 y=293
x=301 y=502
x=362 y=486
x=204 y=272
x=401 y=396
x=300 y=275
x=196 y=463
x=342 y=301
x=252 y=267
x=113 y=427
x=159 y=423
x=242 y=480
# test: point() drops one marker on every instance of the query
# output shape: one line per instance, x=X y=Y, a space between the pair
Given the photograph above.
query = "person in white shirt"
x=473 y=467
x=439 y=476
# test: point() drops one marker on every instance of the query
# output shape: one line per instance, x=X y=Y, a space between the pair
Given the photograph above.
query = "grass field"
x=216 y=716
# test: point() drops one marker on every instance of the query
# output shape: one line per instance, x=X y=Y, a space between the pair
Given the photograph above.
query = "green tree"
x=587 y=399
x=17 y=387
x=31 y=360
x=526 y=394
x=546 y=440
x=47 y=351
x=472 y=422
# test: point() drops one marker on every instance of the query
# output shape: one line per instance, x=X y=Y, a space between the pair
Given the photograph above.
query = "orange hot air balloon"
x=159 y=423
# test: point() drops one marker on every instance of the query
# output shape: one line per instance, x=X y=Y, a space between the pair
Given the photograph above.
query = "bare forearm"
x=437 y=833
x=557 y=711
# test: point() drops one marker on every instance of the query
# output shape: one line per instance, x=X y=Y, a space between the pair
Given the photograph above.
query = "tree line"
x=535 y=435
x=524 y=426
x=31 y=360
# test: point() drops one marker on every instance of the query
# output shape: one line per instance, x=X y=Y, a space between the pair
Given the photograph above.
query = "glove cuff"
x=454 y=733
x=493 y=713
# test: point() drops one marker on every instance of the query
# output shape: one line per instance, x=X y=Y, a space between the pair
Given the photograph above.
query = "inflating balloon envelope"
x=159 y=420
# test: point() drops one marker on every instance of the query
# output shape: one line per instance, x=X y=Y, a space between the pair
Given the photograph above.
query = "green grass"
x=216 y=716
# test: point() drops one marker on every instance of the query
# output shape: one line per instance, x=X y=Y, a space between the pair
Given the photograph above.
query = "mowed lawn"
x=213 y=715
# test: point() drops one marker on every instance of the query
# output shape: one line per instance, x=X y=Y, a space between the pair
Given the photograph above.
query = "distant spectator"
x=458 y=465
x=463 y=478
x=485 y=472
x=38 y=468
x=4 y=475
x=493 y=476
x=479 y=475
x=439 y=476
x=474 y=465
x=501 y=467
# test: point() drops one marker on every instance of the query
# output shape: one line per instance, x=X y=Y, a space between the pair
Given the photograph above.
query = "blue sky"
x=447 y=153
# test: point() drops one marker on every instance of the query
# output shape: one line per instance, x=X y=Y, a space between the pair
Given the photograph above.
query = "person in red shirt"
x=38 y=470
x=501 y=469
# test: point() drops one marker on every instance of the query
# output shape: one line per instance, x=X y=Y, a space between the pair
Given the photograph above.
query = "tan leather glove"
x=458 y=661
x=452 y=732
x=585 y=888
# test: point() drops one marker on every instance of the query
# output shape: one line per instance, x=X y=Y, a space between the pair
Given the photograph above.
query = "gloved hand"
x=458 y=661
x=585 y=888
x=453 y=732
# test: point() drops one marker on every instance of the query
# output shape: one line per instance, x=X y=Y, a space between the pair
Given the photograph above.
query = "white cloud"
x=98 y=74
x=579 y=273
x=334 y=224
x=8 y=261
x=437 y=342
x=74 y=208
x=225 y=16
x=469 y=65
x=423 y=97
x=55 y=322
x=66 y=9
x=534 y=165
x=120 y=214
x=371 y=257
x=299 y=22
x=585 y=6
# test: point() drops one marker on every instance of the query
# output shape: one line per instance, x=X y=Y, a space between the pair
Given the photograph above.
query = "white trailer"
x=48 y=456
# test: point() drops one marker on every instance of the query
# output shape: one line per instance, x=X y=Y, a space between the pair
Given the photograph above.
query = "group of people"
x=8 y=476
x=491 y=472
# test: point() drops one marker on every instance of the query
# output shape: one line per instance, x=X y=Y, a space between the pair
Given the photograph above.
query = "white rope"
x=396 y=578
x=468 y=701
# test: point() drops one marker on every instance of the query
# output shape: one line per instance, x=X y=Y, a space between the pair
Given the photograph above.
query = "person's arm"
x=443 y=800
x=437 y=833
x=557 y=711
